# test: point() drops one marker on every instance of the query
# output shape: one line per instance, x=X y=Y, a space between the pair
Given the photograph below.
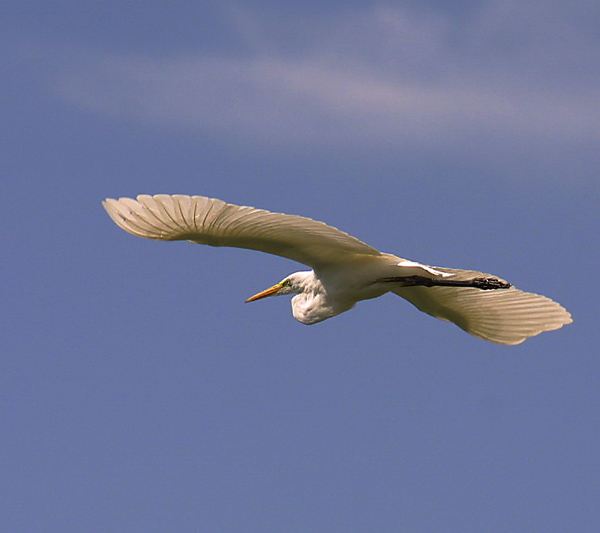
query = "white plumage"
x=345 y=270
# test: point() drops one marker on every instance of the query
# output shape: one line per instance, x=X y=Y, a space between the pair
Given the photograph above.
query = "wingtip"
x=107 y=202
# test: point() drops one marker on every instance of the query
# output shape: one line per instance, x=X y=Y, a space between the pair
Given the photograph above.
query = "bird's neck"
x=314 y=304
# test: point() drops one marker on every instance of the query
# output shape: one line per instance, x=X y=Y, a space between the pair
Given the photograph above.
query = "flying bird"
x=345 y=270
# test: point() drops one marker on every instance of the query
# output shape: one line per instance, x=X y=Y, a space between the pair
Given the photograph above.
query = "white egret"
x=345 y=270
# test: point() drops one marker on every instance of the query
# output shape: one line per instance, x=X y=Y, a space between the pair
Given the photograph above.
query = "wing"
x=210 y=221
x=505 y=316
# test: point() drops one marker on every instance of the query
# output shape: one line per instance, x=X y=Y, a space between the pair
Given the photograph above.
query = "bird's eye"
x=286 y=283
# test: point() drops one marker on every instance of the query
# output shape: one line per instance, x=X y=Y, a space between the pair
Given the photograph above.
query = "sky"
x=139 y=393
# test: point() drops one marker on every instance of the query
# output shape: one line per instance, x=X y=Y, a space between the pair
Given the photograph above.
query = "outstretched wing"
x=210 y=221
x=505 y=316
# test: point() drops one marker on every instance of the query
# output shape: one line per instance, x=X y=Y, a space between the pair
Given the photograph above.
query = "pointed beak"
x=271 y=291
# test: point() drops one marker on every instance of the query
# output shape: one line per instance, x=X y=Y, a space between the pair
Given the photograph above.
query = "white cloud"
x=515 y=69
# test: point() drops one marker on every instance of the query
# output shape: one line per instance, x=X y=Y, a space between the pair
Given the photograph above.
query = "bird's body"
x=345 y=270
x=330 y=291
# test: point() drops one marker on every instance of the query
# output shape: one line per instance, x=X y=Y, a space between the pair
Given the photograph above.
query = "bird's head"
x=293 y=284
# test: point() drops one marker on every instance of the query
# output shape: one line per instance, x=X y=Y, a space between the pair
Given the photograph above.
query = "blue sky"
x=138 y=393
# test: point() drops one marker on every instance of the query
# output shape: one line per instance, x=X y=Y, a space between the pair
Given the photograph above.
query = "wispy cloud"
x=517 y=69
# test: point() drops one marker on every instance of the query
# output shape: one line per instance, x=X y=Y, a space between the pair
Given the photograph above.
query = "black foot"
x=487 y=284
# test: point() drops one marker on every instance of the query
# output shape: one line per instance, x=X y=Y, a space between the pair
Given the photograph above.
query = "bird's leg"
x=421 y=281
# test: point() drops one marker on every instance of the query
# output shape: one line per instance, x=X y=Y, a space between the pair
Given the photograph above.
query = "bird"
x=344 y=269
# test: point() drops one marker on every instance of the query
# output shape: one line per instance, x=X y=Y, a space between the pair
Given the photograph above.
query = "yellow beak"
x=271 y=291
